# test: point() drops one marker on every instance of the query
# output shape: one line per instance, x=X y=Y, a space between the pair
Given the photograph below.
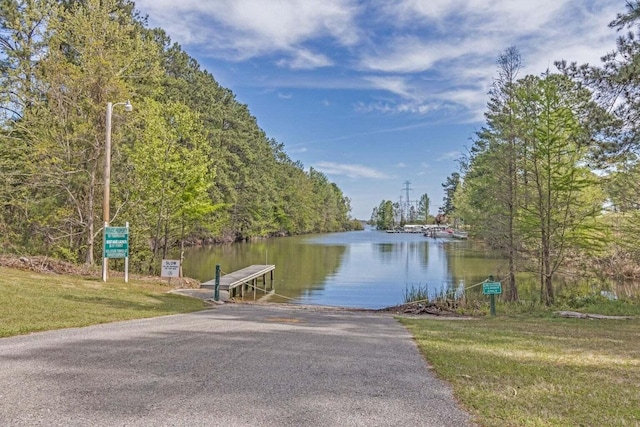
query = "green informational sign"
x=116 y=242
x=492 y=288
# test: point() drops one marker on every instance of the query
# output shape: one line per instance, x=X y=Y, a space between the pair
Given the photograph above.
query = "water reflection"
x=367 y=269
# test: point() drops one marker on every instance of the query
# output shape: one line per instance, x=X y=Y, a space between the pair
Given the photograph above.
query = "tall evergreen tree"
x=563 y=200
x=502 y=138
x=385 y=215
x=450 y=185
x=423 y=207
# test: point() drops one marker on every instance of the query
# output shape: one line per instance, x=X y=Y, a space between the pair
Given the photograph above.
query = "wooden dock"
x=244 y=279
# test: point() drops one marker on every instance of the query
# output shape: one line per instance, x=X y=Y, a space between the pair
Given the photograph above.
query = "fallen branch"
x=575 y=314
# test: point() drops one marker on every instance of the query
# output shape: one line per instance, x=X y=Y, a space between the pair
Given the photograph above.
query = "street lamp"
x=107 y=172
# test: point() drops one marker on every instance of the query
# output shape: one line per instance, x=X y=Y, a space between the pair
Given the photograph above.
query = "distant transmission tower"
x=407 y=204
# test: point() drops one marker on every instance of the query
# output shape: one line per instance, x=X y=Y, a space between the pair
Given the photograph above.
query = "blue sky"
x=376 y=93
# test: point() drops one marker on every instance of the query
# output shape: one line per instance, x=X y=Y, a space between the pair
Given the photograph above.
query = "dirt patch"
x=47 y=265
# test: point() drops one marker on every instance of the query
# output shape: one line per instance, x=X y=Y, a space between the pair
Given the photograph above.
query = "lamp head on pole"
x=128 y=107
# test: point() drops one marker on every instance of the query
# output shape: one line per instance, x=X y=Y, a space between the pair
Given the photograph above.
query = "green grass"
x=31 y=302
x=538 y=371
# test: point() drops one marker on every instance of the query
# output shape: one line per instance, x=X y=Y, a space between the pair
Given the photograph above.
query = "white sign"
x=170 y=268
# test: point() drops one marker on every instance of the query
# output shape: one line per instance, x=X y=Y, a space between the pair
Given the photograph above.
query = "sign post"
x=126 y=259
x=492 y=289
x=116 y=245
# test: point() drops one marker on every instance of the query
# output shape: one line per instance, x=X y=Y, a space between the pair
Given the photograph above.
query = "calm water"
x=365 y=269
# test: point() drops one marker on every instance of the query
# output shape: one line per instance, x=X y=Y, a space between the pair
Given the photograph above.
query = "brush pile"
x=421 y=308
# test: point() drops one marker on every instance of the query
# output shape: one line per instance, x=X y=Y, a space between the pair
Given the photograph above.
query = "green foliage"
x=355 y=225
x=527 y=188
x=171 y=171
x=189 y=164
x=562 y=201
x=449 y=186
x=423 y=208
x=384 y=216
x=615 y=85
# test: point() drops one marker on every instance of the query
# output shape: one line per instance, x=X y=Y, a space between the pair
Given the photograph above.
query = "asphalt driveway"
x=234 y=365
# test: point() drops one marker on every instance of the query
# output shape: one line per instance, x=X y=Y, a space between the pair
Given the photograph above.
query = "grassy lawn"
x=544 y=371
x=32 y=302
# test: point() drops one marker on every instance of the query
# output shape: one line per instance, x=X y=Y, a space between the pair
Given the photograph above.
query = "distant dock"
x=239 y=281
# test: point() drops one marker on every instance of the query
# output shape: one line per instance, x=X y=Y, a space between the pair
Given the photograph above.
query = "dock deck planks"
x=241 y=278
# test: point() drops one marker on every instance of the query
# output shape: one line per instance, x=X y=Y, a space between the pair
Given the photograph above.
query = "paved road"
x=234 y=365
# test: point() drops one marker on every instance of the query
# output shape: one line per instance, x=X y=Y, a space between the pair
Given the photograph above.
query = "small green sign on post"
x=492 y=289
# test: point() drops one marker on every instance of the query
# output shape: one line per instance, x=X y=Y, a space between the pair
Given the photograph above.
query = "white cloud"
x=427 y=55
x=416 y=108
x=297 y=150
x=305 y=60
x=451 y=155
x=456 y=31
x=460 y=40
x=379 y=107
x=393 y=84
x=350 y=170
x=241 y=29
x=492 y=15
x=403 y=55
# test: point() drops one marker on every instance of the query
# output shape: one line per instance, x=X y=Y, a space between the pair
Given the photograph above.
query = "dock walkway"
x=243 y=279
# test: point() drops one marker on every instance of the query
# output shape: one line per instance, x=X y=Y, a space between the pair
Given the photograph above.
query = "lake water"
x=364 y=269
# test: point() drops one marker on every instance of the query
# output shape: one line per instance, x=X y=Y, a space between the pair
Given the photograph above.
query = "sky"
x=382 y=96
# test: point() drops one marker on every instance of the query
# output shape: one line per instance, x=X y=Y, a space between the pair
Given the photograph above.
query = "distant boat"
x=459 y=234
x=439 y=232
x=413 y=228
x=407 y=229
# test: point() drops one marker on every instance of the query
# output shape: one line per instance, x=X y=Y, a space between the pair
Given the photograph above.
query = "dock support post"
x=216 y=291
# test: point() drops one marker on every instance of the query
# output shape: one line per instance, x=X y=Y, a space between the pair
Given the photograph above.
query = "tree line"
x=389 y=215
x=189 y=164
x=552 y=177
